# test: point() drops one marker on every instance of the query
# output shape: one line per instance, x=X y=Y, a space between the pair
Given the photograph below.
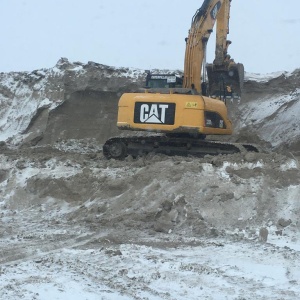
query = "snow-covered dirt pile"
x=49 y=104
x=74 y=225
x=211 y=196
x=77 y=101
x=270 y=109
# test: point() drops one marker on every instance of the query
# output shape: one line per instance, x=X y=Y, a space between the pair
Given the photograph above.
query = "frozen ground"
x=208 y=269
x=76 y=226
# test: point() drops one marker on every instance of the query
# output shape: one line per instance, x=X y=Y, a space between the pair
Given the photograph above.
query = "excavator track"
x=120 y=147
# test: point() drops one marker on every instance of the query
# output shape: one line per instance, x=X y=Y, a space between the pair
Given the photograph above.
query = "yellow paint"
x=186 y=120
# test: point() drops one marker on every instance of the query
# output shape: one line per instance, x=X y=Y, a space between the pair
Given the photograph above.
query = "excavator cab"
x=225 y=82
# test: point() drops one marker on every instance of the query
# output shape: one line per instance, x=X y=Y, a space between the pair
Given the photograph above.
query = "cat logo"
x=154 y=113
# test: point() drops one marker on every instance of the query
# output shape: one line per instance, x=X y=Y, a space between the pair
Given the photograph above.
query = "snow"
x=77 y=68
x=291 y=164
x=274 y=118
x=266 y=107
x=265 y=77
x=18 y=110
x=199 y=272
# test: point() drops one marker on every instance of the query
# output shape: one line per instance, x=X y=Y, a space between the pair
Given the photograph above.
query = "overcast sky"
x=265 y=34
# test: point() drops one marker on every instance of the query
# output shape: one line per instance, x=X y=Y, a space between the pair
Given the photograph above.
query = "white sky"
x=142 y=34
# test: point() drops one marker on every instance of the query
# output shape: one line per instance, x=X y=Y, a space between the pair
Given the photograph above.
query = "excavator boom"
x=202 y=26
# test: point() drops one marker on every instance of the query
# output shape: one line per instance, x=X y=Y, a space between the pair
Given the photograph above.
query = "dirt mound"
x=71 y=100
x=270 y=110
x=69 y=218
x=203 y=196
x=75 y=101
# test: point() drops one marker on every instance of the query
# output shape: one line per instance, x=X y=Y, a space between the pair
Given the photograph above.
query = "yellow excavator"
x=178 y=113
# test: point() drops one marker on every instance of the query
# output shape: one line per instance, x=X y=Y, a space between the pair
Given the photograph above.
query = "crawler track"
x=119 y=148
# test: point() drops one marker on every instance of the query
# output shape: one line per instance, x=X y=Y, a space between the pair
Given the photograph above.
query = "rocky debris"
x=263 y=234
x=283 y=223
x=171 y=214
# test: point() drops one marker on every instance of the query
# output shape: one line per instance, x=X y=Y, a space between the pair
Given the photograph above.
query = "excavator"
x=176 y=114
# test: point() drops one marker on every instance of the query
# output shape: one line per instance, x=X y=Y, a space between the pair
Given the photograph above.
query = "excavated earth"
x=74 y=225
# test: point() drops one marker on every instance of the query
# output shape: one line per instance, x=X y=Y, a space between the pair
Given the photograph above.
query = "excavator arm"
x=222 y=30
x=225 y=77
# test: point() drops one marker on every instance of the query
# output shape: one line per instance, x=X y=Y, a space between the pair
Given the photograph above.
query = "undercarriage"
x=120 y=147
